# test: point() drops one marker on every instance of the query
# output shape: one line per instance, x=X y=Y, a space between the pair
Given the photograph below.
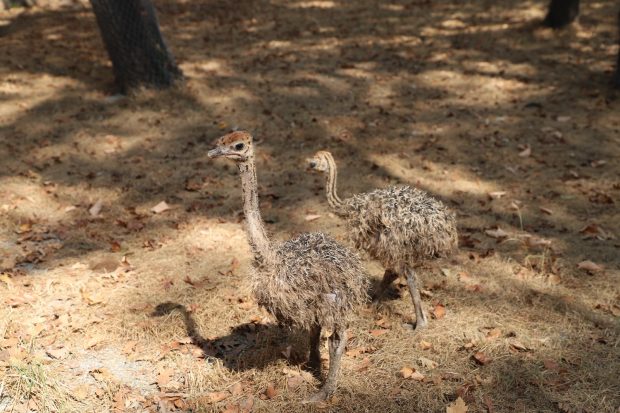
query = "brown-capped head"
x=236 y=146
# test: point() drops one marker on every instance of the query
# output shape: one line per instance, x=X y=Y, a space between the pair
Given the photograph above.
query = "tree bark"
x=617 y=74
x=561 y=13
x=139 y=55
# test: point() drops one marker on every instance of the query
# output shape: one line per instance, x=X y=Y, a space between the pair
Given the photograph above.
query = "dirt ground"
x=113 y=301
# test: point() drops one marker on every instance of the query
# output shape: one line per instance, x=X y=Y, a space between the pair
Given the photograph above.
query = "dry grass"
x=131 y=310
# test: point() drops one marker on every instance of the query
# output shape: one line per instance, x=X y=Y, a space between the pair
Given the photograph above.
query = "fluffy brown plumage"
x=401 y=227
x=310 y=281
x=313 y=280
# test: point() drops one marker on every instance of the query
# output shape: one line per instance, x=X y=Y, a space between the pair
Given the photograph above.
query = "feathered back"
x=314 y=280
x=400 y=225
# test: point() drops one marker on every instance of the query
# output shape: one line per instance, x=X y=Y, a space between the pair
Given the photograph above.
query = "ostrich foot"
x=420 y=323
x=319 y=396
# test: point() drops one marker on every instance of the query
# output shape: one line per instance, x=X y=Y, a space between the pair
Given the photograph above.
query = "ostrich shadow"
x=247 y=346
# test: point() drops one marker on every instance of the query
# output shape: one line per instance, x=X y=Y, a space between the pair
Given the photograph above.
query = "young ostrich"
x=401 y=227
x=309 y=282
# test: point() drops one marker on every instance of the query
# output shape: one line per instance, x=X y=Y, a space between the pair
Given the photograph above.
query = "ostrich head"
x=236 y=146
x=320 y=162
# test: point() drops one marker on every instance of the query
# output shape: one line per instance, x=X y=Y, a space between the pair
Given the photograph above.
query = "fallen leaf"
x=95 y=210
x=496 y=233
x=81 y=392
x=193 y=183
x=439 y=311
x=5 y=278
x=364 y=364
x=497 y=194
x=475 y=288
x=546 y=210
x=236 y=389
x=92 y=342
x=115 y=246
x=493 y=334
x=595 y=231
x=163 y=377
x=417 y=376
x=525 y=152
x=161 y=207
x=482 y=358
x=425 y=345
x=458 y=406
x=563 y=118
x=378 y=332
x=294 y=382
x=9 y=342
x=590 y=266
x=89 y=298
x=217 y=396
x=406 y=372
x=271 y=391
x=464 y=277
x=103 y=374
x=312 y=217
x=24 y=227
x=428 y=363
x=129 y=347
x=107 y=264
x=58 y=354
x=516 y=344
x=355 y=352
x=532 y=242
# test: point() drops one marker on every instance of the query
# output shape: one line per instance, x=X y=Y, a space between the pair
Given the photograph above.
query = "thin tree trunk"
x=617 y=75
x=138 y=52
x=561 y=13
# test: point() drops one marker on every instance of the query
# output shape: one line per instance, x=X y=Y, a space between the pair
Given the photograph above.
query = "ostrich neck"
x=330 y=188
x=257 y=234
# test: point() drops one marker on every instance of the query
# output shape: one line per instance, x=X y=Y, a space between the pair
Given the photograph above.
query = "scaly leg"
x=314 y=361
x=337 y=344
x=412 y=282
x=388 y=278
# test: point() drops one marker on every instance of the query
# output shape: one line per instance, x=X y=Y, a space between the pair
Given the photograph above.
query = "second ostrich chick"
x=309 y=282
x=401 y=227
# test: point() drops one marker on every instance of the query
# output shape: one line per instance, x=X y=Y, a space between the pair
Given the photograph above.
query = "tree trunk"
x=617 y=75
x=561 y=13
x=139 y=55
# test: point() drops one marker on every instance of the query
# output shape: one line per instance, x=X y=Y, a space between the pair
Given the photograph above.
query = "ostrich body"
x=401 y=227
x=309 y=282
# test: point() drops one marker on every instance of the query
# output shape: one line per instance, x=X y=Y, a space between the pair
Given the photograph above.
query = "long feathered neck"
x=330 y=186
x=259 y=241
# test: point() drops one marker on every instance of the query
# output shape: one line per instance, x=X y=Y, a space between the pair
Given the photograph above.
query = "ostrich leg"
x=337 y=344
x=412 y=282
x=388 y=278
x=314 y=361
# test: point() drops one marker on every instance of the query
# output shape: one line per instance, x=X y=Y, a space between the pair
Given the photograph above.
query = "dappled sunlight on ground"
x=113 y=300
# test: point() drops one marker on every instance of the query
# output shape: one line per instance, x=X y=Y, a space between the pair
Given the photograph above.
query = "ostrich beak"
x=310 y=164
x=216 y=153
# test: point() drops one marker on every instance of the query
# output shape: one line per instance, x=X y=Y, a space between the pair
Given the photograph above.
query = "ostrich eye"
x=239 y=146
x=312 y=164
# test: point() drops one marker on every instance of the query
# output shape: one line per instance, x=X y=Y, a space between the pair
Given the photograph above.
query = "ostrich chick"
x=309 y=282
x=401 y=227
